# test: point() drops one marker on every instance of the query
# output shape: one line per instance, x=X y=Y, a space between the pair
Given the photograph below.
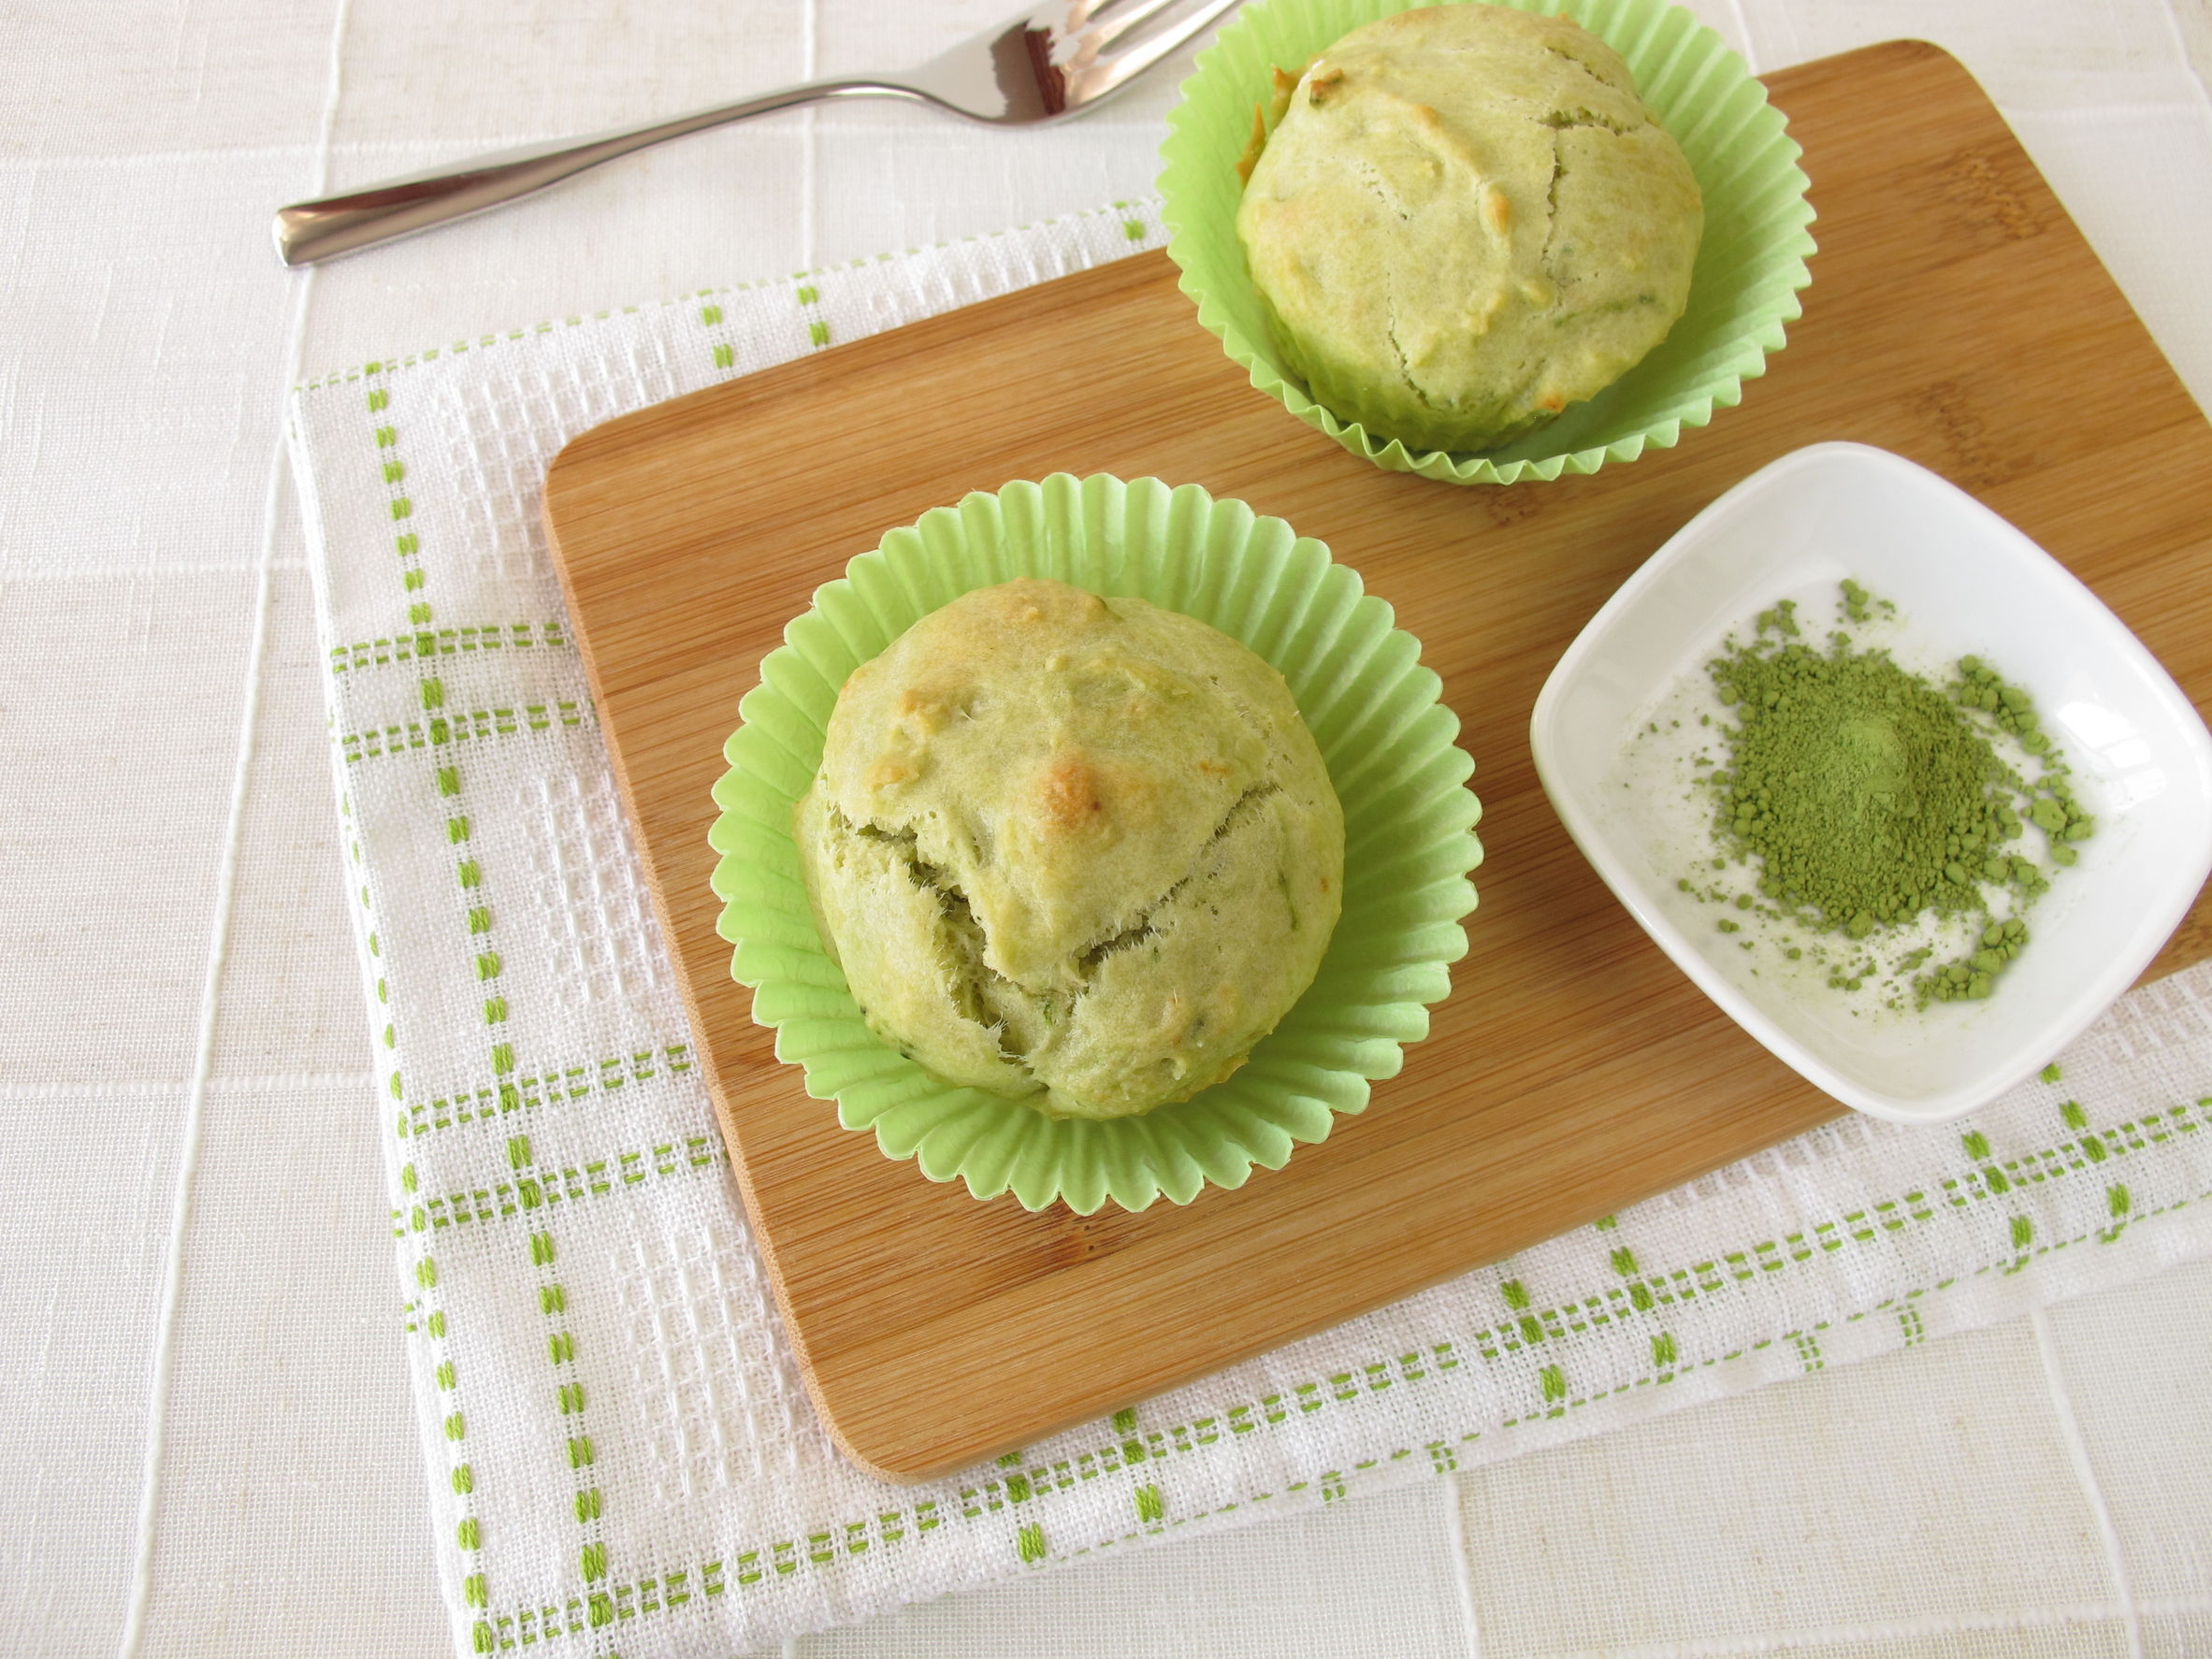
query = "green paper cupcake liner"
x=1744 y=287
x=1372 y=709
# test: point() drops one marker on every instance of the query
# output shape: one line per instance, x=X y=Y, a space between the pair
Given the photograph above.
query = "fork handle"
x=307 y=232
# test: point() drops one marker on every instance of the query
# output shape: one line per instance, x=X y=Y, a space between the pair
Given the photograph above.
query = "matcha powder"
x=1868 y=802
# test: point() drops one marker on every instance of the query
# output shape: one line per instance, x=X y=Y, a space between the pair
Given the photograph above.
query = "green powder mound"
x=1870 y=800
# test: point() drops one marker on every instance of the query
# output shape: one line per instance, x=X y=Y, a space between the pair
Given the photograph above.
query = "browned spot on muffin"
x=926 y=711
x=1497 y=213
x=887 y=771
x=1321 y=85
x=1068 y=796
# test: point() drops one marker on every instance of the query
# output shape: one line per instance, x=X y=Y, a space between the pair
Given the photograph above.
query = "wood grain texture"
x=1956 y=316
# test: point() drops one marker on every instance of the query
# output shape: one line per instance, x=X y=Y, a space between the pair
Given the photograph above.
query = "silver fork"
x=1037 y=66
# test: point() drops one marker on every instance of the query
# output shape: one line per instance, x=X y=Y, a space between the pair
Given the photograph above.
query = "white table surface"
x=206 y=1442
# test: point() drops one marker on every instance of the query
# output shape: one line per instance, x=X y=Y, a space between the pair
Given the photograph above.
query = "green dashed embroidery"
x=1134 y=228
x=519 y=1089
x=892 y=1528
x=425 y=1319
x=725 y=355
x=809 y=298
x=1133 y=1449
x=560 y=1347
x=2119 y=1203
x=345 y=814
x=477 y=725
x=1623 y=1260
x=1608 y=1306
x=406 y=542
x=1807 y=1342
x=2087 y=1151
x=525 y=1191
x=818 y=327
x=546 y=1189
x=427 y=642
x=1651 y=1292
x=469 y=1535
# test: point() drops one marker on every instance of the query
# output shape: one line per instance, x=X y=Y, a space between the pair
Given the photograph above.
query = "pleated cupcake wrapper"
x=1372 y=709
x=1750 y=264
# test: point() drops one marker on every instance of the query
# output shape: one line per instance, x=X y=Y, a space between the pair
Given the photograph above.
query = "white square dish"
x=1963 y=582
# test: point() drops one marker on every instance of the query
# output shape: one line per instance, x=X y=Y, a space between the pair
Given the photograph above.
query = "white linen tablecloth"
x=211 y=1444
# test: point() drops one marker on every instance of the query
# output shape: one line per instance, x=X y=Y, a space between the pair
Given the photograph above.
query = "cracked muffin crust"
x=1465 y=220
x=1078 y=851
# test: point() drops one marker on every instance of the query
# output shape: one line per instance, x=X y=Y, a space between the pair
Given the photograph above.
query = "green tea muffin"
x=1465 y=220
x=1078 y=851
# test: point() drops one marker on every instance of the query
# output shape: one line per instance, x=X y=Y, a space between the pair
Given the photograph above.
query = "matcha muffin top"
x=1464 y=220
x=1076 y=850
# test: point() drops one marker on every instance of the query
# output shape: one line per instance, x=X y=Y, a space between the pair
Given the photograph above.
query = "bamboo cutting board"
x=1956 y=316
